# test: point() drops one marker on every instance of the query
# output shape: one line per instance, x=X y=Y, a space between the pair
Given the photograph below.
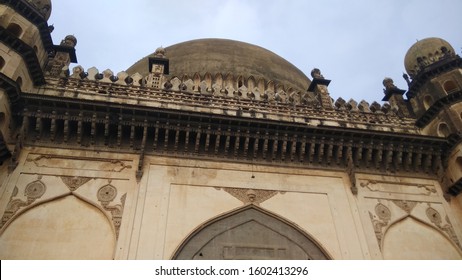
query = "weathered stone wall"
x=82 y=200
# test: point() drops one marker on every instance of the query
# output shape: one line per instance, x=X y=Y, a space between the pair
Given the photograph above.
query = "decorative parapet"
x=228 y=92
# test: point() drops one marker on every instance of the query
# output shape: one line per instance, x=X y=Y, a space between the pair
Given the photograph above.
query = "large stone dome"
x=426 y=52
x=228 y=56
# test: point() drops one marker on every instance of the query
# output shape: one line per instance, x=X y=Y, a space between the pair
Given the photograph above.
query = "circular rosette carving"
x=35 y=190
x=434 y=216
x=383 y=212
x=107 y=193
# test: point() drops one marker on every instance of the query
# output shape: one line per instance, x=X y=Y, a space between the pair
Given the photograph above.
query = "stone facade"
x=204 y=161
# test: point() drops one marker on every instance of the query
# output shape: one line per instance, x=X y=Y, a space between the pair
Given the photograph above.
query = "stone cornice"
x=69 y=121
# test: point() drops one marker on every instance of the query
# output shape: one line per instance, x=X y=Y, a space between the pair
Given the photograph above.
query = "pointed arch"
x=261 y=84
x=208 y=79
x=65 y=227
x=197 y=82
x=413 y=238
x=240 y=81
x=218 y=79
x=251 y=84
x=249 y=232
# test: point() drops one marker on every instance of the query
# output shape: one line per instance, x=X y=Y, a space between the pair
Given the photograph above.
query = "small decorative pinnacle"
x=388 y=84
x=390 y=89
x=69 y=41
x=160 y=52
x=316 y=74
x=406 y=78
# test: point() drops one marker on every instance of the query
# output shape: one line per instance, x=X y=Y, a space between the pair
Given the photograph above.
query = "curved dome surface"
x=228 y=56
x=425 y=52
x=42 y=6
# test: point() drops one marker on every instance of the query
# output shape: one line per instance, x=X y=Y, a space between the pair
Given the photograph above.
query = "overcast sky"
x=355 y=43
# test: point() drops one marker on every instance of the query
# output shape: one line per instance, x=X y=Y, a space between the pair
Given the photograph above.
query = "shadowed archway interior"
x=249 y=232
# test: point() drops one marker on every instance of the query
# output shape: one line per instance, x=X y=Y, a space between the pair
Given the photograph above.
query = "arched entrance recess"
x=249 y=232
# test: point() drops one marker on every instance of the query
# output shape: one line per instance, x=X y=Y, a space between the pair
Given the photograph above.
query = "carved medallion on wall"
x=251 y=196
x=32 y=191
x=35 y=190
x=106 y=194
x=74 y=182
x=435 y=217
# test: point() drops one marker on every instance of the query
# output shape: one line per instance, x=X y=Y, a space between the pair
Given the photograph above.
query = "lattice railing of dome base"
x=226 y=85
x=345 y=114
x=231 y=86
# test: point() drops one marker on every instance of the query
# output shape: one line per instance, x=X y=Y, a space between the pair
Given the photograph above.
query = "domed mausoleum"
x=218 y=149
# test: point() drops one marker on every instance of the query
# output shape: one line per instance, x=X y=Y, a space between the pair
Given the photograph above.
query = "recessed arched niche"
x=427 y=101
x=14 y=29
x=450 y=86
x=65 y=228
x=443 y=129
x=410 y=239
x=249 y=233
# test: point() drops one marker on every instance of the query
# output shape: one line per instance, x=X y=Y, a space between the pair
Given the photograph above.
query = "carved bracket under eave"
x=351 y=171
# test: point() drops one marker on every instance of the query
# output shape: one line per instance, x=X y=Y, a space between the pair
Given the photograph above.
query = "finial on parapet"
x=158 y=68
x=319 y=87
x=160 y=52
x=390 y=89
x=69 y=41
x=395 y=96
x=61 y=57
x=316 y=74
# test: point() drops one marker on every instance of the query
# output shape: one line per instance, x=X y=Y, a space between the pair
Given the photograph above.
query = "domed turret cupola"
x=435 y=88
x=42 y=6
